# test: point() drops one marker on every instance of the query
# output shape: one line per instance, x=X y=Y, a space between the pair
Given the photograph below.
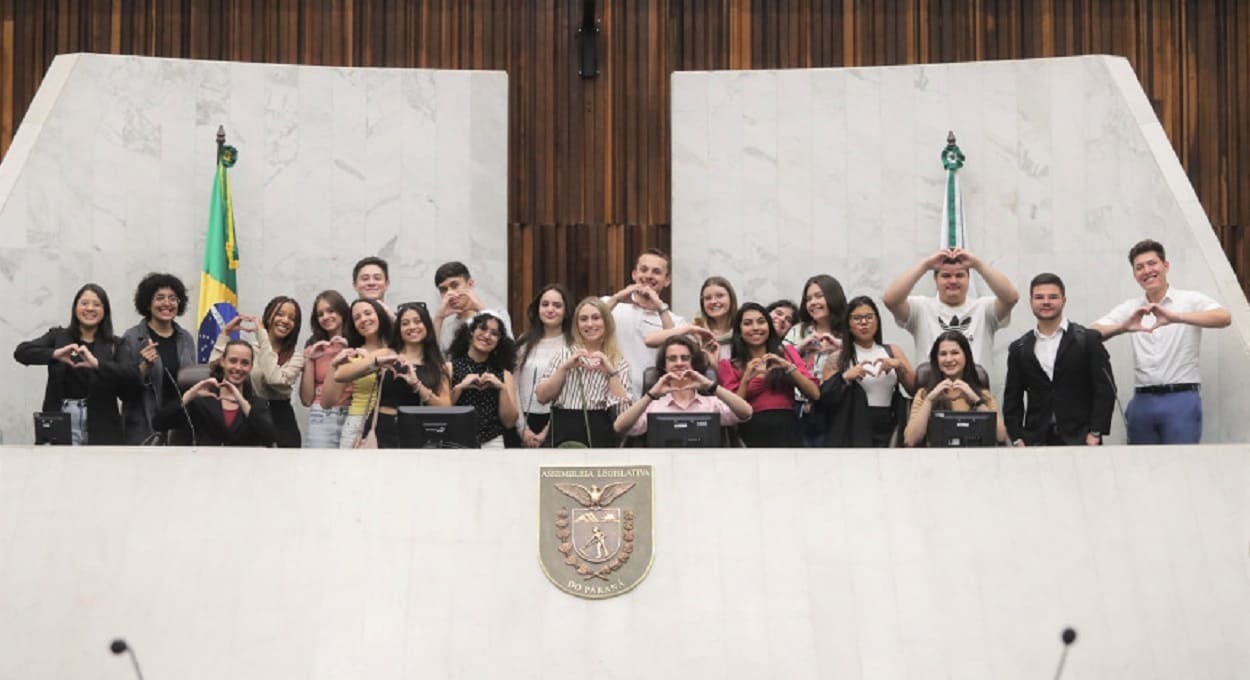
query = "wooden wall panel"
x=588 y=175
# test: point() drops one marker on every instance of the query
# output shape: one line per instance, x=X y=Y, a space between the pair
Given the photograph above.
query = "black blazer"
x=206 y=414
x=1080 y=398
x=113 y=380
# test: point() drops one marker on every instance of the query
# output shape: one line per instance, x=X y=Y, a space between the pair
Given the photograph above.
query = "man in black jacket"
x=1066 y=373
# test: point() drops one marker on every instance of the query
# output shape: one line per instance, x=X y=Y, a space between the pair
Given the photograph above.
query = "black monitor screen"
x=437 y=427
x=53 y=428
x=683 y=430
x=962 y=428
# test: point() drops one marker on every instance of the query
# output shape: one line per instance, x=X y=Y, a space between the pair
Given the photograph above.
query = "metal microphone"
x=119 y=647
x=1068 y=636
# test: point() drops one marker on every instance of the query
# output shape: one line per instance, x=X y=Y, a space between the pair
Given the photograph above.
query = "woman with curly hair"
x=482 y=357
x=158 y=347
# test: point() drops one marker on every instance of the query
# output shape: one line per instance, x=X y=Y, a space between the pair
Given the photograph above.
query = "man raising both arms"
x=638 y=311
x=1166 y=324
x=928 y=317
x=459 y=303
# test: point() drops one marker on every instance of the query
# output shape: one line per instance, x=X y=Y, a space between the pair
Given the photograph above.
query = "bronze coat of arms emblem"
x=595 y=528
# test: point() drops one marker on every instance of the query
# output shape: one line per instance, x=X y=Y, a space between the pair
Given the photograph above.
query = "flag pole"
x=221 y=139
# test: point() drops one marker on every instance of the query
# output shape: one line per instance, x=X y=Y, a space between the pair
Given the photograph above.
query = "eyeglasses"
x=863 y=318
x=164 y=298
x=411 y=305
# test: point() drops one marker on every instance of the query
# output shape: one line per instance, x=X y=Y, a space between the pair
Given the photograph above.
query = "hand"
x=489 y=381
x=62 y=354
x=86 y=358
x=1142 y=320
x=700 y=380
x=1163 y=316
x=385 y=358
x=148 y=354
x=966 y=257
x=1092 y=439
x=598 y=361
x=470 y=382
x=208 y=387
x=447 y=306
x=233 y=392
x=1018 y=443
x=969 y=393
x=888 y=364
x=647 y=298
x=338 y=342
x=346 y=355
x=471 y=302
x=575 y=359
x=774 y=362
x=315 y=350
x=755 y=367
x=854 y=373
x=532 y=440
x=934 y=261
x=939 y=391
x=626 y=293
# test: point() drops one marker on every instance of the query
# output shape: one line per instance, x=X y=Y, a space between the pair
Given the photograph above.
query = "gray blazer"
x=139 y=412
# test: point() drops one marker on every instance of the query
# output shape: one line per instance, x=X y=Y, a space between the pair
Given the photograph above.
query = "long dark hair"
x=337 y=304
x=970 y=368
x=354 y=338
x=835 y=301
x=431 y=370
x=698 y=360
x=740 y=354
x=286 y=346
x=848 y=356
x=503 y=358
x=103 y=330
x=535 y=331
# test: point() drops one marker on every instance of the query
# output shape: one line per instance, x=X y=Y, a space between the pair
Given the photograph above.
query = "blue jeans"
x=1174 y=418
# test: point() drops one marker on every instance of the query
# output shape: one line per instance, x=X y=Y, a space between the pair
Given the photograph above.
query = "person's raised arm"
x=1005 y=294
x=895 y=295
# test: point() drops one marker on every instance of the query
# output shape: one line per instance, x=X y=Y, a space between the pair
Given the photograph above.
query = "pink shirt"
x=759 y=397
x=322 y=371
x=700 y=404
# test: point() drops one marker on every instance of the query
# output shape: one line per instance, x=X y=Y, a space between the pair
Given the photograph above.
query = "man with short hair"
x=459 y=303
x=928 y=317
x=1166 y=324
x=638 y=311
x=371 y=278
x=1065 y=372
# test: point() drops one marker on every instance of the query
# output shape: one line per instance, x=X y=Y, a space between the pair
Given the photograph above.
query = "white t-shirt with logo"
x=975 y=319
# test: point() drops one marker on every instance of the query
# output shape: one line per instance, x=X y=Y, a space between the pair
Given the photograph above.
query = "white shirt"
x=633 y=325
x=453 y=323
x=1046 y=347
x=1168 y=355
x=975 y=319
x=878 y=385
x=530 y=368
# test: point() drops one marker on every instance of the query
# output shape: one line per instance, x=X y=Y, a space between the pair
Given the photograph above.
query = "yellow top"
x=362 y=393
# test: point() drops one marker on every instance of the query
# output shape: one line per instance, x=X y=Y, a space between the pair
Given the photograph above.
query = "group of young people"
x=812 y=373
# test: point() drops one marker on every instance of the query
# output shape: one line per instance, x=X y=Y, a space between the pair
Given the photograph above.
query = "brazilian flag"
x=219 y=292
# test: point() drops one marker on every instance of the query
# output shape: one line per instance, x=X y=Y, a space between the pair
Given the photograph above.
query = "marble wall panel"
x=857 y=564
x=109 y=178
x=1067 y=167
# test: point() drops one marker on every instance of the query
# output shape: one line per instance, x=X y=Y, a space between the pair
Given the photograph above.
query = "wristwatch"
x=664 y=307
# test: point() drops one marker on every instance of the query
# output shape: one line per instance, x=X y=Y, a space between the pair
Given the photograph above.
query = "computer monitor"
x=956 y=429
x=693 y=430
x=53 y=428
x=437 y=427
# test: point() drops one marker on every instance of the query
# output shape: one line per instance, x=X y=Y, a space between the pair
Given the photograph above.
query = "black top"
x=101 y=387
x=397 y=392
x=484 y=401
x=1078 y=400
x=206 y=415
x=167 y=348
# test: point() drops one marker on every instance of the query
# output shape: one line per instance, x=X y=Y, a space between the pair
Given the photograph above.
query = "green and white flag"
x=953 y=233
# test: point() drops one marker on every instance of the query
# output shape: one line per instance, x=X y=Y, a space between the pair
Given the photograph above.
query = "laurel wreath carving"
x=585 y=570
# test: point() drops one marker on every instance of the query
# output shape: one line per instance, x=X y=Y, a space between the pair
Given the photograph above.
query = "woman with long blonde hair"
x=588 y=382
